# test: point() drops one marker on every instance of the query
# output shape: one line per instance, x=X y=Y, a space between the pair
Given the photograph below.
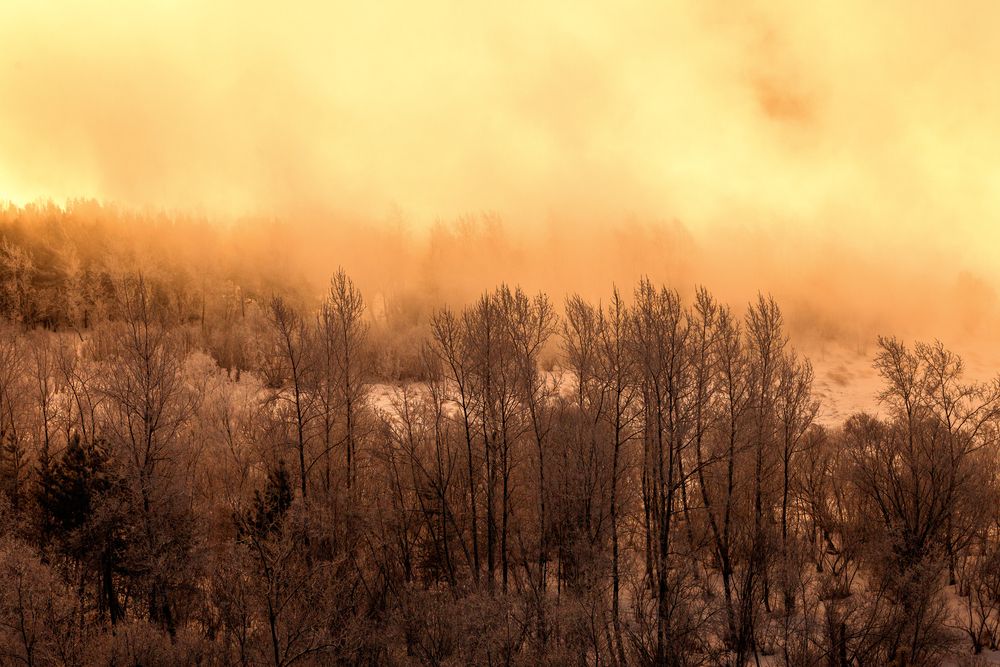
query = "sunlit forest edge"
x=287 y=442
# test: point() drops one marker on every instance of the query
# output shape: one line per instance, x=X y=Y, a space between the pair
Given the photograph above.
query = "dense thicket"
x=638 y=481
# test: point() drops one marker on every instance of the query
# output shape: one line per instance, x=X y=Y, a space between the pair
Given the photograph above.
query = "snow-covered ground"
x=846 y=382
x=845 y=379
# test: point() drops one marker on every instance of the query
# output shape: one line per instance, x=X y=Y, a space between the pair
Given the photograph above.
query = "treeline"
x=58 y=264
x=659 y=495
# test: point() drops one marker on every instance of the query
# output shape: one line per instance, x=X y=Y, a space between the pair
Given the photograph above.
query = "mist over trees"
x=57 y=262
x=202 y=469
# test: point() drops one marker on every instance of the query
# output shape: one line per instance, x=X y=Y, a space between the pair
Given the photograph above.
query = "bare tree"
x=660 y=335
x=617 y=373
x=451 y=342
x=344 y=336
x=292 y=349
x=147 y=409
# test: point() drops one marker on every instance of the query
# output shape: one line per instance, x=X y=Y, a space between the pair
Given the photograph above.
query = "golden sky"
x=875 y=122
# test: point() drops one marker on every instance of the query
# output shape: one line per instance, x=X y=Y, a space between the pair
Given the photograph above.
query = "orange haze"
x=841 y=155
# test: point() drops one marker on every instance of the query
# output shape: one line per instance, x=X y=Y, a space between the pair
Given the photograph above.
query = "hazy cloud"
x=866 y=129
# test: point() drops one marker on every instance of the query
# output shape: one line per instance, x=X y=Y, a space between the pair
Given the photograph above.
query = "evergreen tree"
x=269 y=507
x=76 y=498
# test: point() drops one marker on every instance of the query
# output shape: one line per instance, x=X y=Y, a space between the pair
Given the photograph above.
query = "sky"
x=852 y=124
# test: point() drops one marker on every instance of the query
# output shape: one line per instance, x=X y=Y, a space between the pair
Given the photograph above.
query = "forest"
x=204 y=462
